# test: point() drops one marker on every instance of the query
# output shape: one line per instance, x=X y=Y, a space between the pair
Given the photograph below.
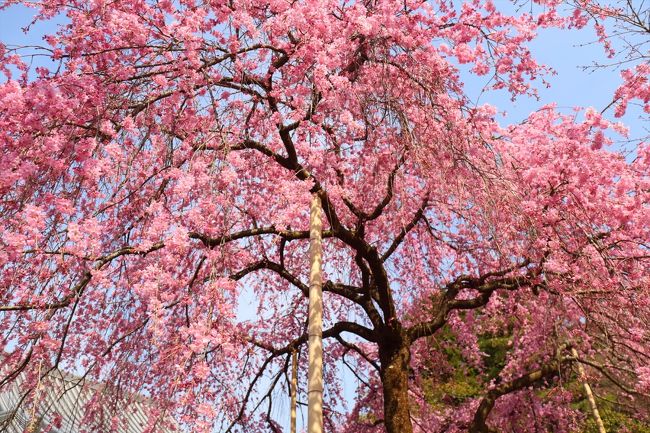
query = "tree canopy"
x=160 y=165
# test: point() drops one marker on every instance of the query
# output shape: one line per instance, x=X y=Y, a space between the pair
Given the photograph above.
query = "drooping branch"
x=249 y=391
x=79 y=288
x=479 y=423
x=75 y=293
x=604 y=371
x=354 y=347
x=348 y=292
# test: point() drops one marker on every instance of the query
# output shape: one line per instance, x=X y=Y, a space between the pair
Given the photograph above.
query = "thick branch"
x=485 y=285
x=275 y=267
x=487 y=403
x=335 y=331
x=285 y=234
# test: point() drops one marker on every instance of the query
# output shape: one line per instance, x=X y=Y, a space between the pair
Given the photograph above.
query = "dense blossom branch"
x=546 y=371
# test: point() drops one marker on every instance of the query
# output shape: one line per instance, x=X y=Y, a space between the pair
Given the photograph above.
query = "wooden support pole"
x=315 y=326
x=590 y=395
x=294 y=388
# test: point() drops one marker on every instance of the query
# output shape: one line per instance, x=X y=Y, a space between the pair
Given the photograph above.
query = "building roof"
x=62 y=399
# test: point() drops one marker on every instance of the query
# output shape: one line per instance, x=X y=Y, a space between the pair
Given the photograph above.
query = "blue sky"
x=570 y=53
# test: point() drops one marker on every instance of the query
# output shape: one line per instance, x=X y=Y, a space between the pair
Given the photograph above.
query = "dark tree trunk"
x=478 y=423
x=395 y=357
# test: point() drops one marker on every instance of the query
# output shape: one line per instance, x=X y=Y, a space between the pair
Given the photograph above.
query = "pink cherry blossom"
x=158 y=179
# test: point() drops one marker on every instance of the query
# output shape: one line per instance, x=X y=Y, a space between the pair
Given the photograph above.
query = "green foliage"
x=614 y=417
x=496 y=351
x=454 y=380
x=461 y=381
x=453 y=391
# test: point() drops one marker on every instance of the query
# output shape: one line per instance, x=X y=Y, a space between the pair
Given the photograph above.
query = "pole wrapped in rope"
x=589 y=393
x=294 y=388
x=315 y=326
